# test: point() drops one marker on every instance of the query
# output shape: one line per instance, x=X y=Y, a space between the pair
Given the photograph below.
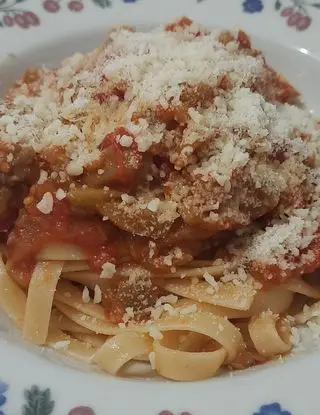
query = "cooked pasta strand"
x=302 y=287
x=187 y=366
x=61 y=253
x=12 y=298
x=269 y=338
x=39 y=301
x=120 y=349
x=224 y=294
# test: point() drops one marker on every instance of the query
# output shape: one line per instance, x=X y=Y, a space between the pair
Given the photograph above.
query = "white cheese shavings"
x=152 y=360
x=155 y=333
x=153 y=205
x=211 y=281
x=43 y=176
x=284 y=238
x=170 y=310
x=45 y=205
x=61 y=194
x=125 y=140
x=229 y=157
x=97 y=295
x=188 y=310
x=170 y=299
x=63 y=344
x=85 y=295
x=108 y=270
x=127 y=198
x=74 y=168
x=158 y=64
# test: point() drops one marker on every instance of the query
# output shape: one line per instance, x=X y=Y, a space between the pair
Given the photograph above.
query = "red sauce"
x=244 y=40
x=35 y=230
x=7 y=219
x=270 y=274
x=123 y=171
x=140 y=296
x=273 y=274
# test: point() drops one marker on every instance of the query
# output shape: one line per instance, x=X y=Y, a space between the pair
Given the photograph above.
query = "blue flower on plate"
x=272 y=409
x=253 y=6
x=3 y=389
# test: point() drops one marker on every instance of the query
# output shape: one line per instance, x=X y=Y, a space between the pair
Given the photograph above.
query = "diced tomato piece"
x=244 y=40
x=126 y=162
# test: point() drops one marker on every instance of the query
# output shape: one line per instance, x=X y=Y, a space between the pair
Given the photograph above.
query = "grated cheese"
x=152 y=359
x=128 y=315
x=170 y=299
x=284 y=238
x=97 y=295
x=127 y=198
x=188 y=310
x=43 y=176
x=170 y=310
x=54 y=175
x=156 y=63
x=85 y=295
x=61 y=194
x=63 y=344
x=220 y=166
x=45 y=205
x=74 y=169
x=156 y=66
x=153 y=205
x=152 y=249
x=126 y=141
x=108 y=270
x=155 y=333
x=211 y=281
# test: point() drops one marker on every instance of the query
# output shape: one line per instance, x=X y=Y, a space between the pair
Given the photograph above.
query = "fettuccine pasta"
x=159 y=205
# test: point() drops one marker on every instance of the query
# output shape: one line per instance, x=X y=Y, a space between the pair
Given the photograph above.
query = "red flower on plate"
x=297 y=15
x=51 y=6
x=75 y=6
x=21 y=21
x=171 y=413
x=8 y=21
x=81 y=410
x=31 y=18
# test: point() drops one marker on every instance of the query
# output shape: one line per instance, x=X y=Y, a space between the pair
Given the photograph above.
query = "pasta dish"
x=159 y=202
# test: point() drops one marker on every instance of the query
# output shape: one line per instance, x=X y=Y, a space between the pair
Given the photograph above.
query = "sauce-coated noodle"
x=160 y=204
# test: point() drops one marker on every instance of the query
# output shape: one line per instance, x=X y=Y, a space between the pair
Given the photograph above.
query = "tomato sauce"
x=35 y=230
x=273 y=274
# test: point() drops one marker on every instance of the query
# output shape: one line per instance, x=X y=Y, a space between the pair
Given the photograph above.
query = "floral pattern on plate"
x=3 y=399
x=272 y=409
x=53 y=6
x=23 y=14
x=297 y=13
x=39 y=402
x=15 y=14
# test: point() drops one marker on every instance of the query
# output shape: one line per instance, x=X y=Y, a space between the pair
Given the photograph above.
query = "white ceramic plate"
x=31 y=381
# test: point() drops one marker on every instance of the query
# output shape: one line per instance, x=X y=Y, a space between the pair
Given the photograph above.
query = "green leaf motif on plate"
x=102 y=3
x=38 y=402
x=277 y=5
